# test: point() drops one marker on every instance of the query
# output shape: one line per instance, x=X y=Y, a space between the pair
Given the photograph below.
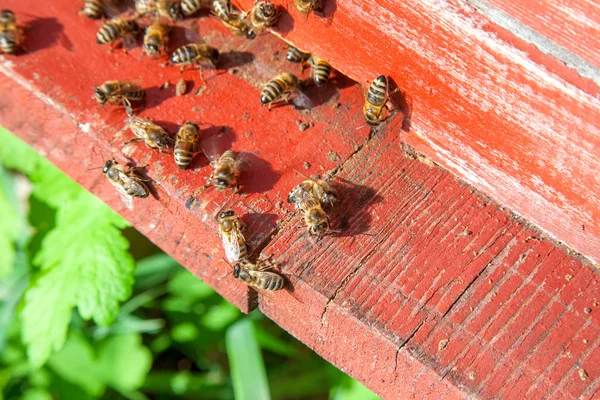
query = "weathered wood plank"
x=526 y=135
x=450 y=280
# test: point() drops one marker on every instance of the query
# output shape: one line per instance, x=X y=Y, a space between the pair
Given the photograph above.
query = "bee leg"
x=210 y=178
x=200 y=70
x=132 y=141
x=128 y=108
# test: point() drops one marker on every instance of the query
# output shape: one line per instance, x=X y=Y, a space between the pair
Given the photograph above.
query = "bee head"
x=107 y=166
x=150 y=49
x=236 y=270
x=163 y=141
x=220 y=184
x=320 y=229
x=99 y=95
x=175 y=11
x=267 y=9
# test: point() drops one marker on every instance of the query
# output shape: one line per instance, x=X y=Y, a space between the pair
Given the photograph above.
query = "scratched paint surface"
x=481 y=108
x=444 y=281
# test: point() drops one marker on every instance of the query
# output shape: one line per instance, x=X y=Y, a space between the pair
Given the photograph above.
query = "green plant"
x=81 y=319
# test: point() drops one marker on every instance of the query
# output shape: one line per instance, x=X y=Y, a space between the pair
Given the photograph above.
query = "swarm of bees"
x=314 y=197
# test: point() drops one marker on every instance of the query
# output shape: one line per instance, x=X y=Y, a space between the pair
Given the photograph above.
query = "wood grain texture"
x=63 y=64
x=443 y=276
x=523 y=132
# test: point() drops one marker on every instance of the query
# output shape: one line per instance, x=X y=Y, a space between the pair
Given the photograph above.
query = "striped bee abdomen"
x=378 y=91
x=321 y=71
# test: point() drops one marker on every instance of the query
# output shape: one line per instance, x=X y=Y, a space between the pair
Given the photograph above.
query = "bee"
x=93 y=8
x=313 y=187
x=222 y=9
x=226 y=171
x=127 y=183
x=231 y=235
x=296 y=56
x=282 y=85
x=263 y=15
x=162 y=8
x=238 y=24
x=119 y=91
x=155 y=38
x=190 y=7
x=194 y=54
x=115 y=29
x=320 y=70
x=256 y=276
x=11 y=34
x=186 y=144
x=306 y=6
x=153 y=135
x=376 y=99
x=314 y=216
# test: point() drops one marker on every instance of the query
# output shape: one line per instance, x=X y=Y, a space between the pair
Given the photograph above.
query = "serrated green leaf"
x=124 y=362
x=247 y=366
x=52 y=186
x=85 y=263
x=76 y=363
x=47 y=312
x=16 y=154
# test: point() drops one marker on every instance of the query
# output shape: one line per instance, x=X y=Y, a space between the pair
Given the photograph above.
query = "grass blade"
x=247 y=367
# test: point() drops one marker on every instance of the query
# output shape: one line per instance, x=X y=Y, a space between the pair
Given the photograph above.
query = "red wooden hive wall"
x=430 y=289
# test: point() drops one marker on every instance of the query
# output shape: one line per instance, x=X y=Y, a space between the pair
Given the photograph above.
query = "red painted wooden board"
x=62 y=66
x=430 y=283
x=428 y=286
x=518 y=125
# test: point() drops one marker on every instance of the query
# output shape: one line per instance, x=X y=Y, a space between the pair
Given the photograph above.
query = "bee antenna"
x=304 y=175
x=90 y=169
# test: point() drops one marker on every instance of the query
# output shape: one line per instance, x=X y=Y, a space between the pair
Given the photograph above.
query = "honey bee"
x=234 y=243
x=194 y=54
x=282 y=85
x=313 y=187
x=263 y=15
x=162 y=8
x=256 y=276
x=306 y=6
x=190 y=7
x=155 y=39
x=93 y=8
x=314 y=216
x=296 y=56
x=186 y=144
x=127 y=183
x=222 y=9
x=119 y=91
x=153 y=135
x=320 y=70
x=226 y=171
x=376 y=99
x=11 y=34
x=115 y=29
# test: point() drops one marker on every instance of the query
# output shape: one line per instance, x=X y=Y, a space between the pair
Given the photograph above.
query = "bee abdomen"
x=377 y=91
x=228 y=157
x=190 y=7
x=296 y=56
x=184 y=54
x=322 y=70
x=183 y=157
x=220 y=7
x=93 y=8
x=137 y=190
x=108 y=33
x=272 y=91
x=270 y=281
x=136 y=95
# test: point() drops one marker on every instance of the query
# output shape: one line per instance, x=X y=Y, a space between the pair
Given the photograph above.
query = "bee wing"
x=126 y=87
x=126 y=198
x=242 y=162
x=301 y=100
x=232 y=248
x=214 y=146
x=111 y=8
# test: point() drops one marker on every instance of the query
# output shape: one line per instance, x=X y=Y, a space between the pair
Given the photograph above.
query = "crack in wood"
x=404 y=343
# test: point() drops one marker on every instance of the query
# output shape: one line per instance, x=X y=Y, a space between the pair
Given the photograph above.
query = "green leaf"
x=16 y=154
x=155 y=269
x=84 y=263
x=11 y=225
x=246 y=363
x=220 y=316
x=270 y=342
x=76 y=363
x=37 y=394
x=124 y=362
x=186 y=284
x=352 y=390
